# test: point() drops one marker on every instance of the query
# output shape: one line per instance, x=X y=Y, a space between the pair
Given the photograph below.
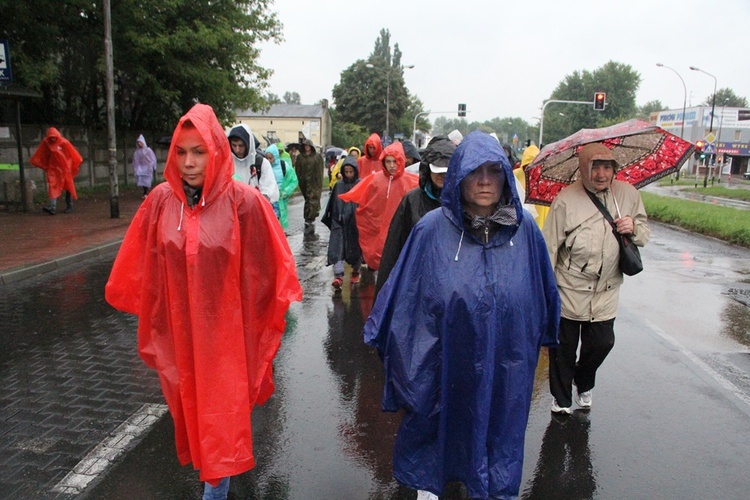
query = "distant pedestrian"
x=416 y=203
x=251 y=167
x=286 y=180
x=309 y=169
x=206 y=268
x=336 y=172
x=339 y=216
x=370 y=161
x=585 y=256
x=378 y=197
x=144 y=165
x=412 y=156
x=459 y=325
x=60 y=161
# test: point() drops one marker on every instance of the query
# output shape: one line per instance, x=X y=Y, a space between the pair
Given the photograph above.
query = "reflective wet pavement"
x=670 y=416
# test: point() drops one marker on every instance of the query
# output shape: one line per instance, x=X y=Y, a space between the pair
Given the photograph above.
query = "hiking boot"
x=68 y=209
x=49 y=210
x=583 y=399
x=560 y=409
x=337 y=283
x=355 y=277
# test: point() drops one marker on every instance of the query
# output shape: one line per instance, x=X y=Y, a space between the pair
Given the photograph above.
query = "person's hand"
x=625 y=225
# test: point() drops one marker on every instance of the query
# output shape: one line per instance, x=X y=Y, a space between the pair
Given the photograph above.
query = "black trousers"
x=596 y=339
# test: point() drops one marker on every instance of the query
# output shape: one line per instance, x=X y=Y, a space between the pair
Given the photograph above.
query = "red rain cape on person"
x=210 y=286
x=378 y=197
x=369 y=164
x=60 y=160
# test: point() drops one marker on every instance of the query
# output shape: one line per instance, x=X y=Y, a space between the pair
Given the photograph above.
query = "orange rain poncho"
x=210 y=286
x=60 y=160
x=369 y=164
x=378 y=196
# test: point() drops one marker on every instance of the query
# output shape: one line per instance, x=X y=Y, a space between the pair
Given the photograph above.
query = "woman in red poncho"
x=60 y=161
x=206 y=267
x=378 y=196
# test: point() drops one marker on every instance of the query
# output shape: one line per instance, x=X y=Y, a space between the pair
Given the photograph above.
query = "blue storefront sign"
x=5 y=74
x=734 y=148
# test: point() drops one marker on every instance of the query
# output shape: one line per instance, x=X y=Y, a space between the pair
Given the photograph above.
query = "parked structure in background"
x=290 y=123
x=729 y=143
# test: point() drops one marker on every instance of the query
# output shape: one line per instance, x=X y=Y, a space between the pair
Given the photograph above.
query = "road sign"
x=709 y=149
x=5 y=74
x=710 y=138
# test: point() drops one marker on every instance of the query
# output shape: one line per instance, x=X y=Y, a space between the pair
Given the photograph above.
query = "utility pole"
x=114 y=191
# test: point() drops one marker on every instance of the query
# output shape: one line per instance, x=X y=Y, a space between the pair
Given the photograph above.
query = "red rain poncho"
x=378 y=197
x=369 y=164
x=210 y=286
x=60 y=160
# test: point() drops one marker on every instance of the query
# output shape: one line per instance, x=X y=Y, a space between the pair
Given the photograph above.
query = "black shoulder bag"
x=630 y=258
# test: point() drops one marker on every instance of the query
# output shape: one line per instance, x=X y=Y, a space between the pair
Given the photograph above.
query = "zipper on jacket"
x=486 y=234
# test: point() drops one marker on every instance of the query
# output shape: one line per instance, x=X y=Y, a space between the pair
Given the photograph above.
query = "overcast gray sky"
x=504 y=58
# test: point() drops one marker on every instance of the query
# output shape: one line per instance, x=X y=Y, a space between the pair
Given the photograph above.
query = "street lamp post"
x=684 y=102
x=713 y=101
x=387 y=92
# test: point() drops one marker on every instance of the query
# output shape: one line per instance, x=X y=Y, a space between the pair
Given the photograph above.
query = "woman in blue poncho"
x=459 y=325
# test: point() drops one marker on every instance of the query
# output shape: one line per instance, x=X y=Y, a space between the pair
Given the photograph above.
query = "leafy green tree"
x=445 y=125
x=619 y=81
x=168 y=55
x=644 y=112
x=726 y=97
x=292 y=98
x=360 y=95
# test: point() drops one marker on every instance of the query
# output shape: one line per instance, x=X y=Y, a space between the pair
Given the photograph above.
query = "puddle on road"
x=736 y=318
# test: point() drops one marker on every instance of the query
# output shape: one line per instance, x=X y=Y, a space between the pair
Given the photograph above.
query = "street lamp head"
x=694 y=68
x=369 y=65
x=660 y=65
x=410 y=66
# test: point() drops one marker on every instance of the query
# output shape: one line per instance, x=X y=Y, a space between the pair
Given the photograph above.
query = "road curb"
x=16 y=274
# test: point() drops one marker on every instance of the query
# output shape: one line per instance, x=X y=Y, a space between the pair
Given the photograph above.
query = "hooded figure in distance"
x=369 y=162
x=60 y=161
x=459 y=325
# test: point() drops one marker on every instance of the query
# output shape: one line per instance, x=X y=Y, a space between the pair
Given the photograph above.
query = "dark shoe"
x=355 y=277
x=68 y=209
x=337 y=283
x=49 y=210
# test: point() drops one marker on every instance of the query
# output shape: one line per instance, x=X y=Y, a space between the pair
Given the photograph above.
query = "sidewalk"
x=36 y=242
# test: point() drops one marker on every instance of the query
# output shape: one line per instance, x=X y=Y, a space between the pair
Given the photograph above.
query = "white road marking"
x=106 y=452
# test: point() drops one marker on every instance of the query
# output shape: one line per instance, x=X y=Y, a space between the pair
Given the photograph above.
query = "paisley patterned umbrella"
x=644 y=151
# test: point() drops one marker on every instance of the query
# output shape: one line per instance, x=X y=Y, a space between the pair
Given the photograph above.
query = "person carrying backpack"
x=286 y=179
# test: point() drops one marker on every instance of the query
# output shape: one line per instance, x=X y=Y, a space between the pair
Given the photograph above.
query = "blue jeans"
x=218 y=493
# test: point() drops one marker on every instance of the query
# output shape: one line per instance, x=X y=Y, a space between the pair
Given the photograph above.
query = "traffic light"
x=599 y=100
x=699 y=153
x=462 y=110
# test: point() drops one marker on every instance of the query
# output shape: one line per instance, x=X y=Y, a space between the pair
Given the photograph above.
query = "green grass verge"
x=722 y=192
x=725 y=223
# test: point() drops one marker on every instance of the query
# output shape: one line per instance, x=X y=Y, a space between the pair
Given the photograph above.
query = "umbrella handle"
x=619 y=215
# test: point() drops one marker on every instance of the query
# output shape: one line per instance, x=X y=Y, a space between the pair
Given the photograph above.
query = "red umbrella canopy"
x=644 y=152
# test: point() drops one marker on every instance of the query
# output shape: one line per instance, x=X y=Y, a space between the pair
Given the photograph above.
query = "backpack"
x=259 y=162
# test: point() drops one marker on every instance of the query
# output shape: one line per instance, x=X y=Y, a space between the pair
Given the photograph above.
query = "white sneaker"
x=560 y=409
x=426 y=495
x=583 y=399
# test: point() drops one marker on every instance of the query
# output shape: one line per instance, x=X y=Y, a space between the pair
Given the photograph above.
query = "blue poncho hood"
x=460 y=338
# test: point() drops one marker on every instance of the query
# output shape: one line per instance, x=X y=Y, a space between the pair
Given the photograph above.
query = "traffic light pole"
x=541 y=120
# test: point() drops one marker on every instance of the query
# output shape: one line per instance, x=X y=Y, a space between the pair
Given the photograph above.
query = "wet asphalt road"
x=670 y=416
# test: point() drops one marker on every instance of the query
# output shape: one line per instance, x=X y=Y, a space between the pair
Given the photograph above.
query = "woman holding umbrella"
x=585 y=255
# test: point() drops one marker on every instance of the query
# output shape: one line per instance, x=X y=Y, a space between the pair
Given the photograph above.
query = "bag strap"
x=602 y=209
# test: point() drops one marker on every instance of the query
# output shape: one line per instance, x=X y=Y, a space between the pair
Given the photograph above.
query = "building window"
x=303 y=122
x=737 y=135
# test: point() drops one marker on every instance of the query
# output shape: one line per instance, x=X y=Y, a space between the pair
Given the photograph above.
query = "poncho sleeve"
x=407 y=338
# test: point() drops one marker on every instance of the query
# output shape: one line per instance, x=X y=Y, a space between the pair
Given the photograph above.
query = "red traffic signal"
x=699 y=145
x=599 y=100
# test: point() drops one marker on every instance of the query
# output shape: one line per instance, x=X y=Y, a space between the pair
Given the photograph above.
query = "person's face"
x=437 y=179
x=192 y=157
x=308 y=149
x=602 y=173
x=139 y=144
x=410 y=161
x=481 y=189
x=370 y=150
x=270 y=157
x=239 y=148
x=354 y=153
x=390 y=164
x=348 y=172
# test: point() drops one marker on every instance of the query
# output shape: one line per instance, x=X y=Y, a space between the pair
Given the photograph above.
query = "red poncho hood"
x=369 y=164
x=211 y=285
x=378 y=196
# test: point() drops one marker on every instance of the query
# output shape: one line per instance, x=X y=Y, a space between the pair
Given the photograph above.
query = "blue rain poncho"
x=459 y=325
